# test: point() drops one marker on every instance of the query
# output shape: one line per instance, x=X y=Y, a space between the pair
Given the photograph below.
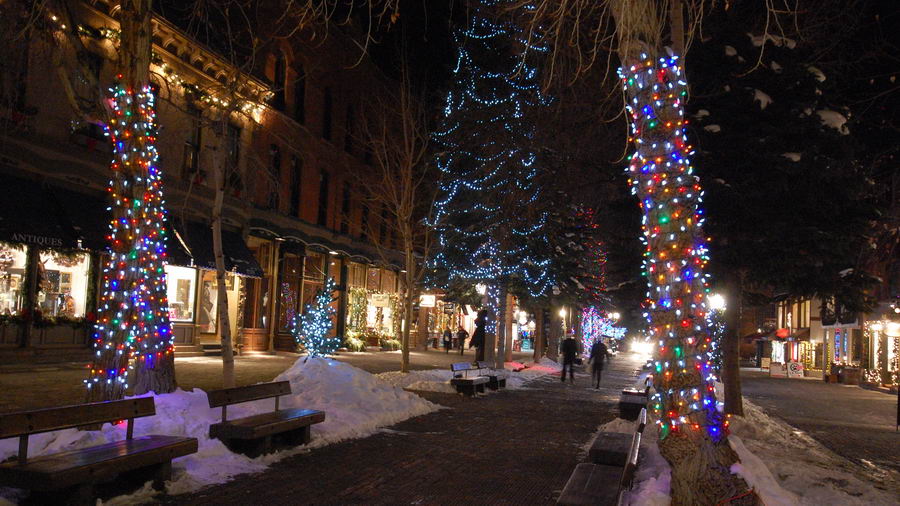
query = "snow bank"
x=356 y=404
x=438 y=380
x=784 y=465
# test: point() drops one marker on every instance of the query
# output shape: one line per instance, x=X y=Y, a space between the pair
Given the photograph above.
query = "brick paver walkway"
x=853 y=422
x=513 y=447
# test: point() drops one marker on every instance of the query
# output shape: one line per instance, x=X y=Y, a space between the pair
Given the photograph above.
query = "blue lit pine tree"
x=311 y=329
x=489 y=210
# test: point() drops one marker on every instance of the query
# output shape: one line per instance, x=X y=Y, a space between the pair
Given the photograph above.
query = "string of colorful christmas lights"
x=133 y=325
x=311 y=328
x=670 y=195
x=595 y=325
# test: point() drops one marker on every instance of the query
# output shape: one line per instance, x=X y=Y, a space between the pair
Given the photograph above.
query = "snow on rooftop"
x=713 y=128
x=818 y=74
x=762 y=97
x=778 y=41
x=834 y=120
x=794 y=157
x=730 y=51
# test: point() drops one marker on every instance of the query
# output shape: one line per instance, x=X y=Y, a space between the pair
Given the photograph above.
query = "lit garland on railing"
x=487 y=188
x=312 y=327
x=133 y=316
x=676 y=253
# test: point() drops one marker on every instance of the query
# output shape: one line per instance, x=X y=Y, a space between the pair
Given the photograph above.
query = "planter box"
x=9 y=334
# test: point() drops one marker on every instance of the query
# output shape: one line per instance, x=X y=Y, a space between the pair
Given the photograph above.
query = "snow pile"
x=356 y=404
x=834 y=120
x=432 y=380
x=806 y=471
x=783 y=465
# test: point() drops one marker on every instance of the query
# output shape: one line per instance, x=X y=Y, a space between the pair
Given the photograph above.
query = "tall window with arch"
x=348 y=129
x=296 y=184
x=279 y=78
x=300 y=95
x=323 y=198
x=274 y=176
x=327 y=107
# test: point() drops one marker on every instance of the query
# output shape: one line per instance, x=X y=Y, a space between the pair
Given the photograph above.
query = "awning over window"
x=198 y=240
x=28 y=214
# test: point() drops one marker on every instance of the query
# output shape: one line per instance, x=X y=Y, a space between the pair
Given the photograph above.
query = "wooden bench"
x=494 y=382
x=465 y=384
x=603 y=484
x=633 y=400
x=70 y=476
x=258 y=434
x=612 y=448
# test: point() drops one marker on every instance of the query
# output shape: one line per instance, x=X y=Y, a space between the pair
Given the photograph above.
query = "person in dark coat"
x=569 y=350
x=599 y=352
x=448 y=340
x=477 y=340
x=461 y=336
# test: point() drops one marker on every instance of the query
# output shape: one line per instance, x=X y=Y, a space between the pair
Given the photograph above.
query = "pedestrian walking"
x=461 y=336
x=448 y=340
x=599 y=352
x=477 y=340
x=569 y=350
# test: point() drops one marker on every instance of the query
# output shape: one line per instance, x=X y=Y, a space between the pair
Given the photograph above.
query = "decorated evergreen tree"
x=489 y=209
x=311 y=329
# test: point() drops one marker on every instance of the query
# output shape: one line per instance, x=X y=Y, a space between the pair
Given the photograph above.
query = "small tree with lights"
x=311 y=329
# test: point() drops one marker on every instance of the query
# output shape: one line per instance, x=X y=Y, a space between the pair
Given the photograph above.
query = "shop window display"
x=13 y=260
x=373 y=280
x=357 y=274
x=289 y=290
x=180 y=292
x=62 y=283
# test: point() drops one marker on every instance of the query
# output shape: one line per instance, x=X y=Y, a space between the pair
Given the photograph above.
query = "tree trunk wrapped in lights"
x=693 y=429
x=133 y=329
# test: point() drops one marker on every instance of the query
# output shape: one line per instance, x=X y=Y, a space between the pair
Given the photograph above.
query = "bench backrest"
x=631 y=462
x=461 y=366
x=67 y=417
x=642 y=420
x=237 y=395
x=483 y=365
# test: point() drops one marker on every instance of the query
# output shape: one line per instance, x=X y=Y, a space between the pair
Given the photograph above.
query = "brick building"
x=292 y=213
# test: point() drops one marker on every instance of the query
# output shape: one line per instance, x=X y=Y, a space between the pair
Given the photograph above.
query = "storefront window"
x=180 y=291
x=313 y=266
x=334 y=269
x=388 y=281
x=256 y=308
x=62 y=283
x=373 y=280
x=13 y=259
x=357 y=274
x=209 y=296
x=289 y=290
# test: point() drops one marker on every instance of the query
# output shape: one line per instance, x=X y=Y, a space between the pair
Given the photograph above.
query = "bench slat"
x=461 y=366
x=266 y=424
x=96 y=463
x=611 y=449
x=474 y=380
x=237 y=395
x=66 y=417
x=591 y=484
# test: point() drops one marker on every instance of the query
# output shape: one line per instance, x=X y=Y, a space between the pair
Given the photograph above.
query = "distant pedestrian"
x=569 y=350
x=598 y=354
x=448 y=340
x=477 y=340
x=461 y=336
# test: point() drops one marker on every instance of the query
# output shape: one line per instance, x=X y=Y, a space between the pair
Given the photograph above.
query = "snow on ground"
x=438 y=380
x=785 y=466
x=355 y=402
